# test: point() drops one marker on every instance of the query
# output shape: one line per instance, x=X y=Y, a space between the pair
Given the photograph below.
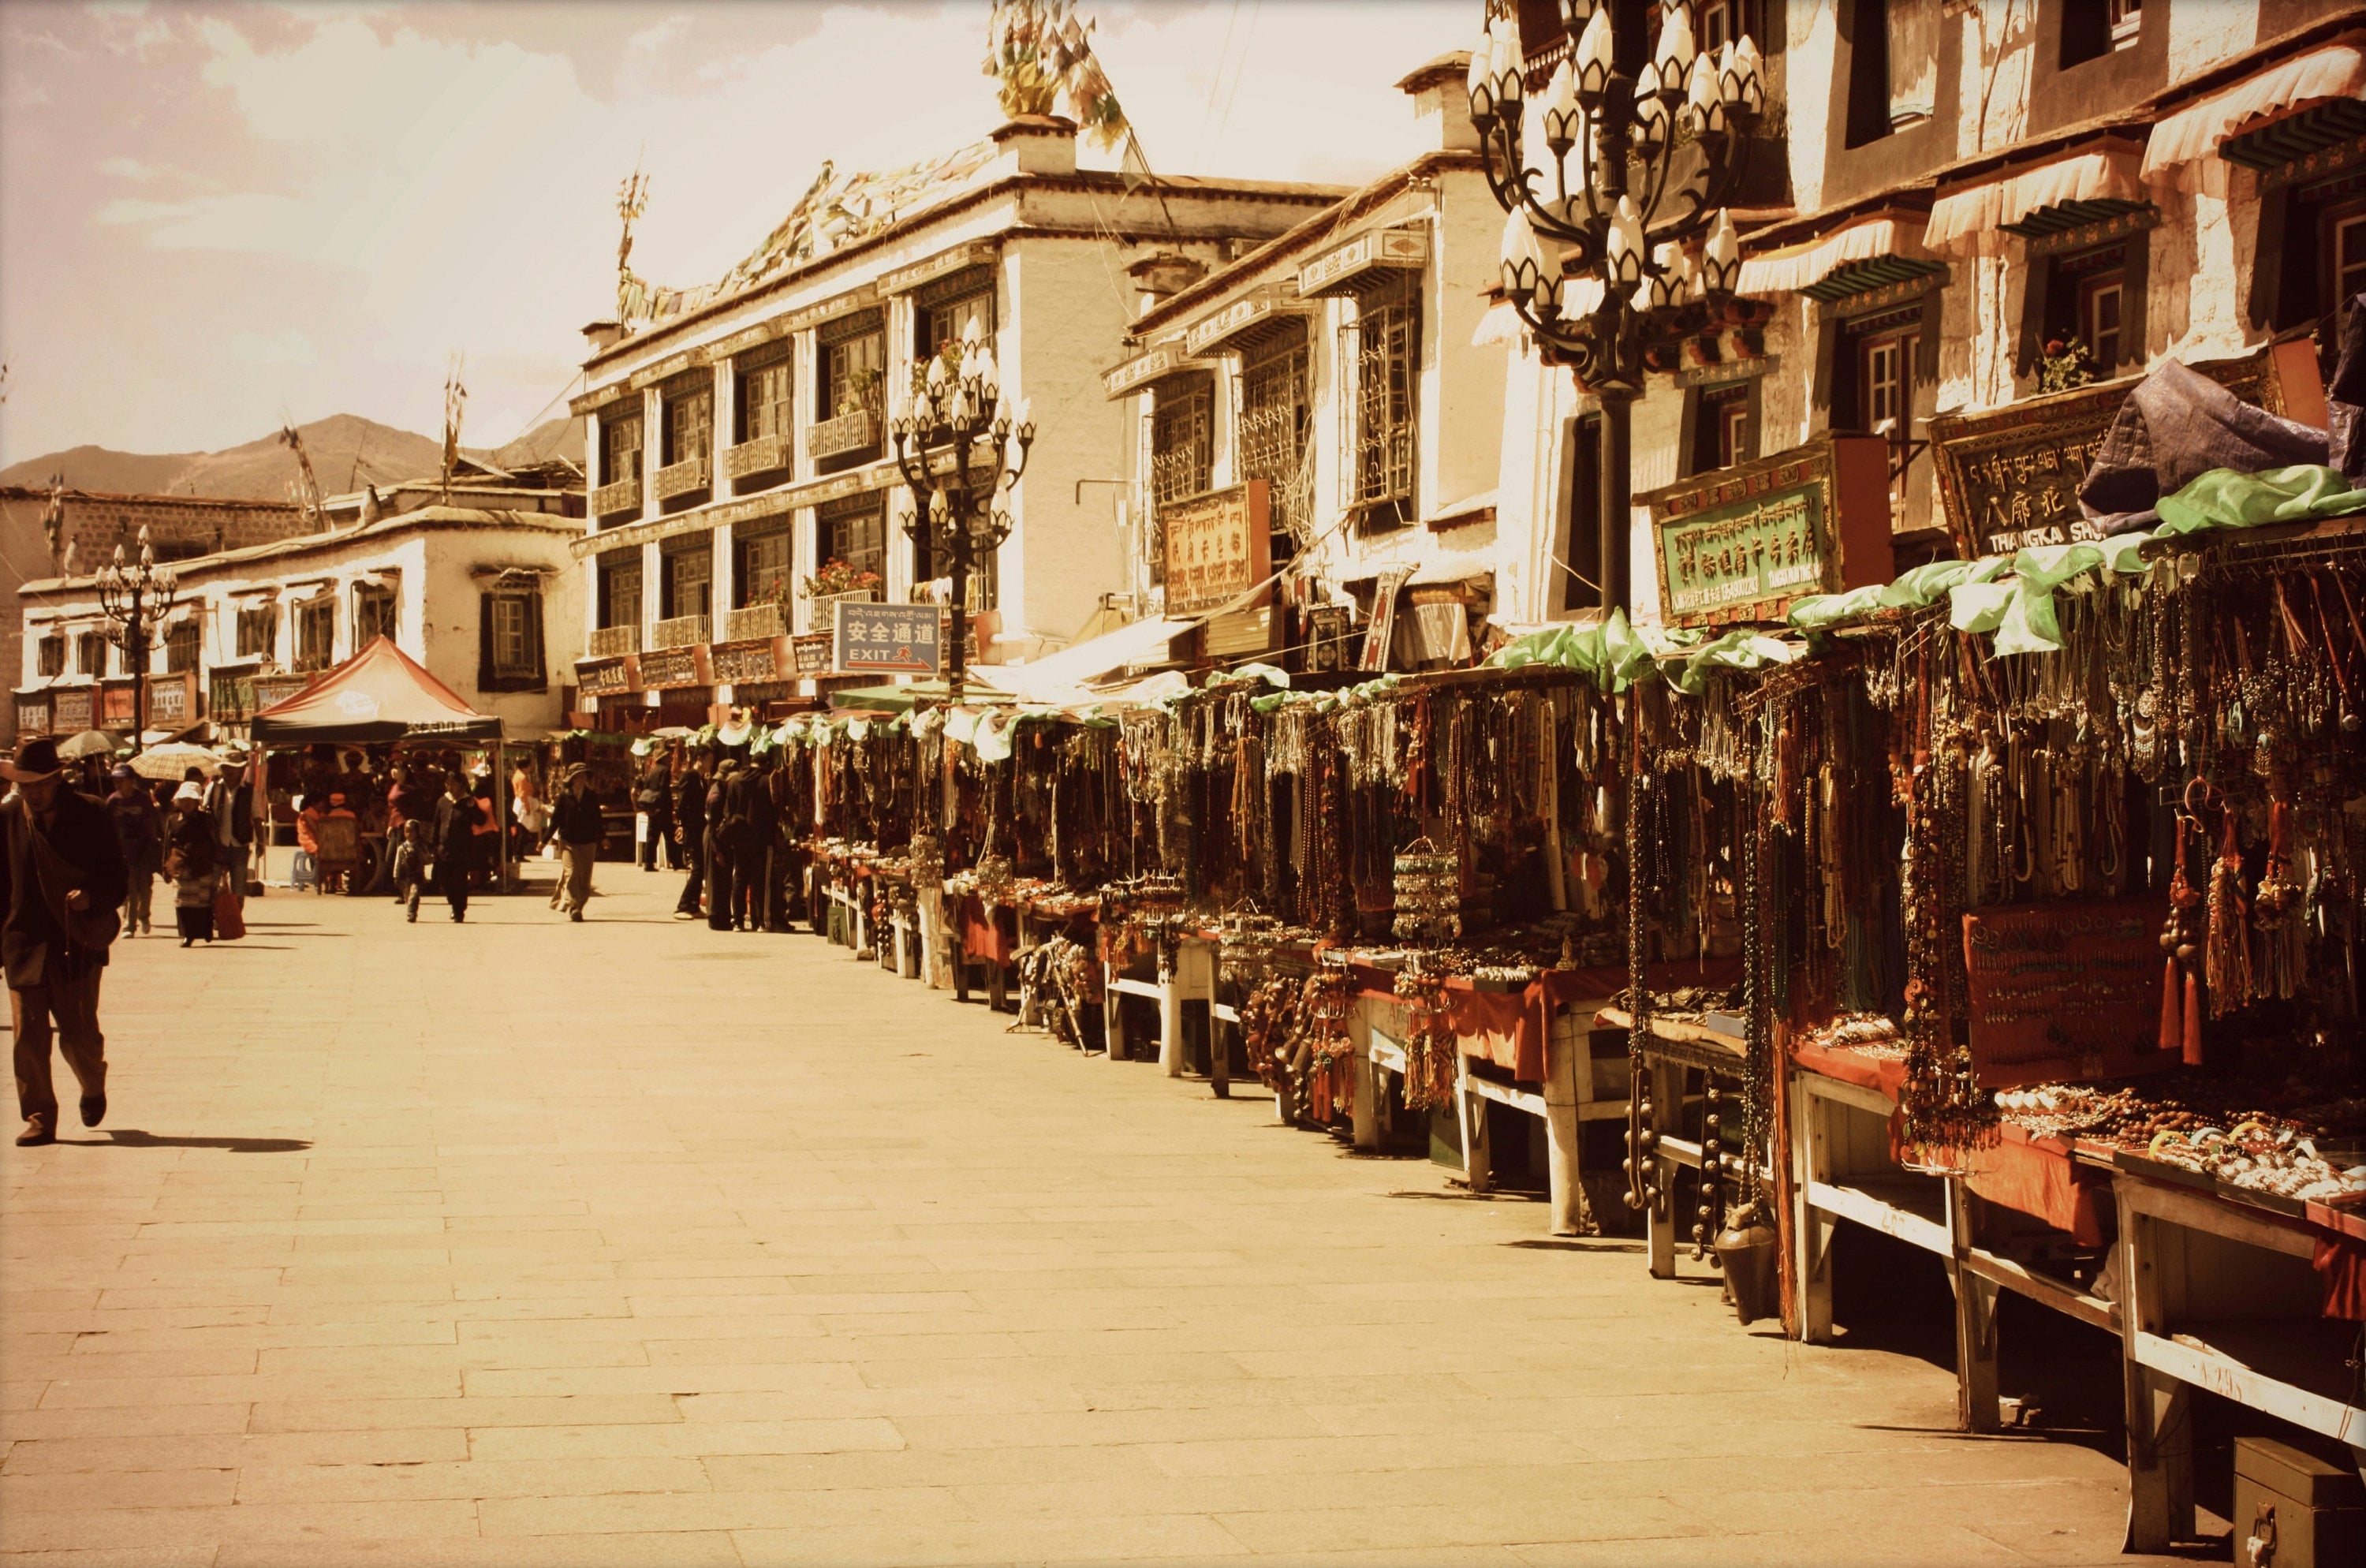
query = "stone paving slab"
x=521 y=1242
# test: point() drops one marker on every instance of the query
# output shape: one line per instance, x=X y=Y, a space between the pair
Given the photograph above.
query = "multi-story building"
x=738 y=434
x=44 y=530
x=1991 y=203
x=483 y=599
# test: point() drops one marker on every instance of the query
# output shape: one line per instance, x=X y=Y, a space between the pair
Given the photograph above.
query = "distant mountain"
x=347 y=452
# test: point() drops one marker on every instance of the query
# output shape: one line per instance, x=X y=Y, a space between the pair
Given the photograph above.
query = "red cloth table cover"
x=1509 y=1028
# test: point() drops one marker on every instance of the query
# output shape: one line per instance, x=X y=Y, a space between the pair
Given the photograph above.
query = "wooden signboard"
x=605 y=678
x=738 y=663
x=668 y=667
x=2008 y=478
x=2064 y=991
x=270 y=690
x=1741 y=544
x=1219 y=546
x=813 y=653
x=33 y=715
x=171 y=699
x=114 y=706
x=75 y=710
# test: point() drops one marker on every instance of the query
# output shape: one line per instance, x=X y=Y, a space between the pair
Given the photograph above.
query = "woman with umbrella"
x=189 y=861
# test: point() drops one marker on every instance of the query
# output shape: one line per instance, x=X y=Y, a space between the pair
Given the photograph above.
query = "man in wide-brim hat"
x=580 y=825
x=62 y=882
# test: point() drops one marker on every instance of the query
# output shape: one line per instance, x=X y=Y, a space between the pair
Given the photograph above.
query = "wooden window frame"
x=183 y=646
x=376 y=611
x=854 y=511
x=1182 y=440
x=511 y=657
x=670 y=582
x=614 y=429
x=50 y=657
x=752 y=583
x=2331 y=224
x=86 y=662
x=754 y=415
x=257 y=630
x=611 y=573
x=319 y=612
x=1273 y=436
x=1384 y=347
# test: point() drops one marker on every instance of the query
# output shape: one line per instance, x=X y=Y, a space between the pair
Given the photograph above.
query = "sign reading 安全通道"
x=887 y=639
x=1742 y=542
x=1219 y=546
x=2063 y=991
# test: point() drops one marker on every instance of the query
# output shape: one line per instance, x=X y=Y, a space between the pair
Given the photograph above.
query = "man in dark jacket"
x=580 y=825
x=454 y=841
x=690 y=832
x=61 y=880
x=759 y=826
x=722 y=847
x=653 y=798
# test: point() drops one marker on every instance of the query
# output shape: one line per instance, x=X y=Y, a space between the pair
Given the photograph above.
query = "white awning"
x=2183 y=152
x=1795 y=267
x=1971 y=222
x=1056 y=677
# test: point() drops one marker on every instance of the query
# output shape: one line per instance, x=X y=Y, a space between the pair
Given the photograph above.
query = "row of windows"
x=852 y=362
x=256 y=636
x=854 y=530
x=1893 y=72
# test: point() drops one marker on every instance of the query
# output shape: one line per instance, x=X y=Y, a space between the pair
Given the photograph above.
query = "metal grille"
x=1182 y=443
x=1273 y=430
x=1383 y=345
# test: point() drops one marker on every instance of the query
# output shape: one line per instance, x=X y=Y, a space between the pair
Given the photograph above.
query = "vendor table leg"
x=1170 y=1015
x=1364 y=1114
x=1811 y=1228
x=1565 y=1057
x=1976 y=1304
x=2159 y=1407
x=1112 y=1029
x=932 y=938
x=1470 y=1118
x=1660 y=1219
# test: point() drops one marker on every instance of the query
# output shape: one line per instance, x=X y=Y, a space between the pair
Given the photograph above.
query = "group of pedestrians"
x=439 y=839
x=719 y=821
x=200 y=841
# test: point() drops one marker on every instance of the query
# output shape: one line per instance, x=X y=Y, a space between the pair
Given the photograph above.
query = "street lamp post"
x=136 y=597
x=953 y=438
x=1660 y=132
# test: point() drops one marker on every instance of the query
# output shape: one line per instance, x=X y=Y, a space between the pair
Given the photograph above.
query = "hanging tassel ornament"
x=2180 y=942
x=2226 y=951
x=2276 y=910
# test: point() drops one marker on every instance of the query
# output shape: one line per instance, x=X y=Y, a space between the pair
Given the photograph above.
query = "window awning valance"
x=1866 y=254
x=2183 y=152
x=2079 y=187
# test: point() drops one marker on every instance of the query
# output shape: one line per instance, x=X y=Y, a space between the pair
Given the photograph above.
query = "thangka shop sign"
x=2064 y=991
x=887 y=639
x=1742 y=542
x=2008 y=478
x=72 y=713
x=1219 y=546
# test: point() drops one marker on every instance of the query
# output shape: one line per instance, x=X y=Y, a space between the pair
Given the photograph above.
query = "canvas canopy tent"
x=378 y=694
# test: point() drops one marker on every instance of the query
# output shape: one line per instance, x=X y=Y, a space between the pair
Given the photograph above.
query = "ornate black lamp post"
x=953 y=438
x=135 y=598
x=1660 y=129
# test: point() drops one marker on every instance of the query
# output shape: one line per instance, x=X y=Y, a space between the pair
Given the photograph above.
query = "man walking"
x=580 y=824
x=232 y=807
x=653 y=798
x=689 y=833
x=722 y=847
x=456 y=817
x=62 y=883
x=758 y=827
x=140 y=834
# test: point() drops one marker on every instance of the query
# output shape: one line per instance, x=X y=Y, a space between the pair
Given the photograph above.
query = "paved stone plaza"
x=638 y=1242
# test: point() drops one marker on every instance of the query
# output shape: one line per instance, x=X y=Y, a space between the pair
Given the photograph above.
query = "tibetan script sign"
x=1219 y=546
x=1742 y=543
x=75 y=710
x=32 y=716
x=2064 y=991
x=663 y=667
x=168 y=700
x=603 y=679
x=811 y=653
x=888 y=640
x=271 y=689
x=744 y=661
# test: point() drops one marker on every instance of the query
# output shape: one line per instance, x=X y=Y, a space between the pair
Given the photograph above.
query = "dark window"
x=853 y=367
x=316 y=633
x=1580 y=582
x=687 y=587
x=52 y=656
x=1868 y=79
x=944 y=324
x=2343 y=230
x=1182 y=441
x=1724 y=427
x=1274 y=422
x=620 y=447
x=373 y=614
x=764 y=399
x=855 y=531
x=90 y=653
x=2092 y=28
x=760 y=566
x=690 y=425
x=1384 y=349
x=258 y=632
x=181 y=643
x=510 y=642
x=620 y=589
x=2086 y=303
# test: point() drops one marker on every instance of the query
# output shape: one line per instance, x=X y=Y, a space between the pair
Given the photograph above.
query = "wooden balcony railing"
x=615 y=500
x=608 y=642
x=681 y=478
x=847 y=433
x=753 y=621
x=764 y=454
x=682 y=631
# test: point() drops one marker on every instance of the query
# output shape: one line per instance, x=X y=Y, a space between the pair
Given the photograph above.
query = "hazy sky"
x=213 y=217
